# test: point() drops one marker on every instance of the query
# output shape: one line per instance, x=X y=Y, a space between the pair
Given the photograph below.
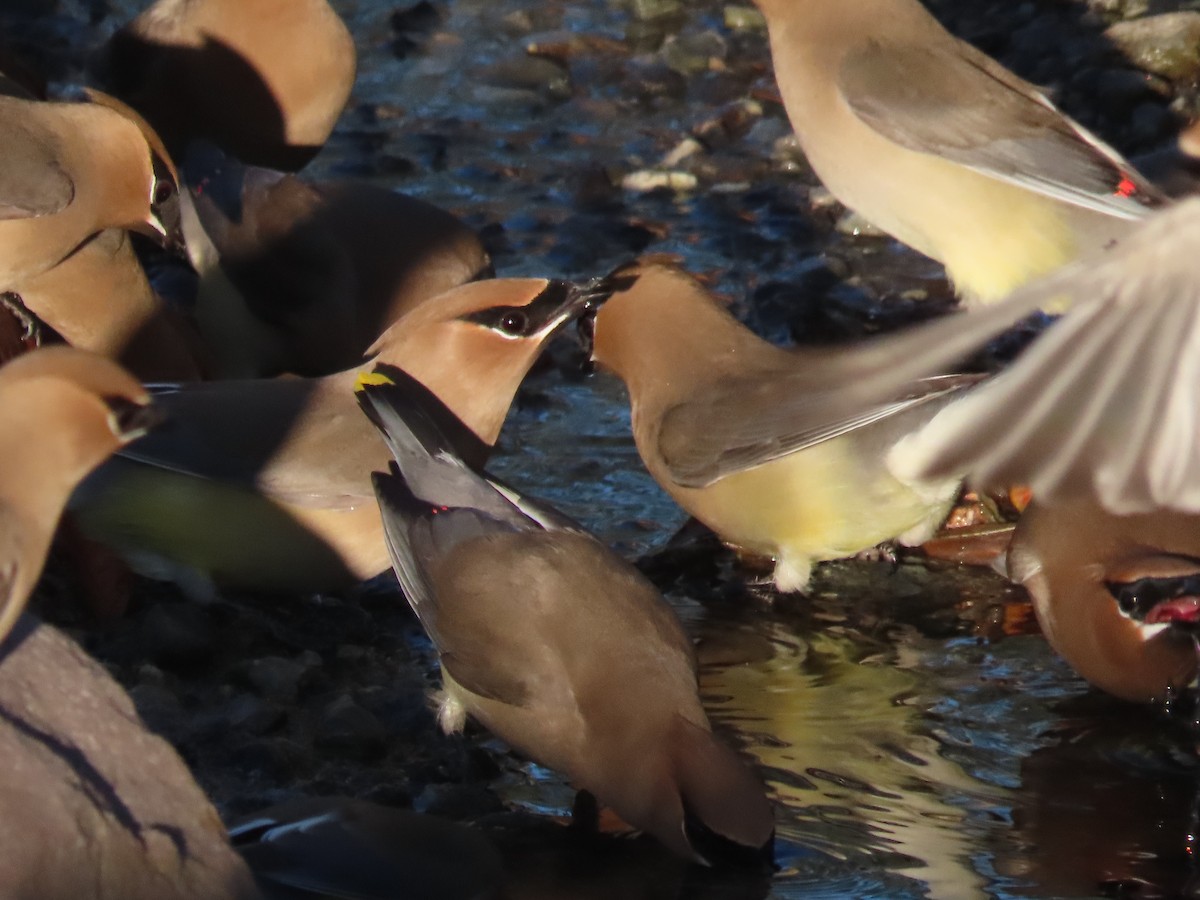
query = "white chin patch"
x=1149 y=632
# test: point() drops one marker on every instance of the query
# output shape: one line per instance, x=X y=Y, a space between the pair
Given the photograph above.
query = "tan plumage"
x=752 y=439
x=1078 y=560
x=264 y=79
x=943 y=148
x=68 y=171
x=98 y=299
x=1098 y=417
x=1103 y=404
x=64 y=412
x=265 y=484
x=301 y=277
x=544 y=635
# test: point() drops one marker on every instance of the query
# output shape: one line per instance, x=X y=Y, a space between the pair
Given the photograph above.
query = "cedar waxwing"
x=94 y=804
x=942 y=147
x=301 y=278
x=1098 y=418
x=1117 y=596
x=738 y=432
x=264 y=79
x=265 y=484
x=98 y=299
x=341 y=847
x=67 y=171
x=67 y=410
x=544 y=635
x=1103 y=402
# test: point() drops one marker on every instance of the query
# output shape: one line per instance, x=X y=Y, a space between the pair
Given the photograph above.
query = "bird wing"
x=261 y=435
x=32 y=180
x=959 y=104
x=1104 y=402
x=418 y=536
x=750 y=421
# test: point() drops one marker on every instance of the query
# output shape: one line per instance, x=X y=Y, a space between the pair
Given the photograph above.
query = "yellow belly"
x=821 y=503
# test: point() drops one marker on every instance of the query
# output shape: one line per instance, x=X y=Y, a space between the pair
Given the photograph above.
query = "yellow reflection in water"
x=841 y=746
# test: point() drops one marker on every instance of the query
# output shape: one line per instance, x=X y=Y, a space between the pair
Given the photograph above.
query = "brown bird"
x=264 y=79
x=1098 y=418
x=98 y=299
x=95 y=805
x=265 y=484
x=544 y=635
x=942 y=147
x=67 y=410
x=301 y=277
x=1117 y=596
x=1102 y=404
x=68 y=171
x=754 y=440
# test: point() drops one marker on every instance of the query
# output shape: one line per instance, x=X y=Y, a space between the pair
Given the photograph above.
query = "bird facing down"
x=942 y=147
x=301 y=277
x=544 y=635
x=264 y=79
x=1117 y=596
x=66 y=410
x=265 y=484
x=1098 y=418
x=98 y=299
x=68 y=171
x=754 y=440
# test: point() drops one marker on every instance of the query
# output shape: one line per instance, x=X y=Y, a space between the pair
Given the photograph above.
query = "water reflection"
x=836 y=728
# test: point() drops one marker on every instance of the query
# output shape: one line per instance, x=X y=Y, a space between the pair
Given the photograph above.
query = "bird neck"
x=662 y=339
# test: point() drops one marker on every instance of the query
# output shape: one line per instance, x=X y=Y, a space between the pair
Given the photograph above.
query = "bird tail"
x=728 y=816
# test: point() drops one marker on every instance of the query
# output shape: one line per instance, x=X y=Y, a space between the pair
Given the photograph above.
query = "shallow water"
x=914 y=748
x=910 y=755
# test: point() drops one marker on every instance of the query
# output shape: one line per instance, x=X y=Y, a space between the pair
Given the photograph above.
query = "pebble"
x=1166 y=45
x=279 y=679
x=179 y=635
x=345 y=728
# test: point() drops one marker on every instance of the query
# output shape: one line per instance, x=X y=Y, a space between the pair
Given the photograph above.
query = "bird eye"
x=129 y=420
x=163 y=191
x=514 y=323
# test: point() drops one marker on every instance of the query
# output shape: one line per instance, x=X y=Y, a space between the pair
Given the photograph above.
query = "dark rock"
x=179 y=635
x=537 y=75
x=276 y=678
x=248 y=714
x=461 y=802
x=345 y=728
x=274 y=759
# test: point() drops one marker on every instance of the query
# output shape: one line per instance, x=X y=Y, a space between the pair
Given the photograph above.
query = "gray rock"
x=346 y=728
x=276 y=678
x=1167 y=45
x=94 y=805
x=179 y=635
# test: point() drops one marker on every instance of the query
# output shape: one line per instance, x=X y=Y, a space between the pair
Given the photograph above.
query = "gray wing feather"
x=959 y=104
x=1105 y=402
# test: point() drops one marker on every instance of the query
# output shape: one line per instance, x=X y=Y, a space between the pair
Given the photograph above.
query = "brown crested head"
x=95 y=404
x=1117 y=596
x=473 y=344
x=141 y=180
x=659 y=320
